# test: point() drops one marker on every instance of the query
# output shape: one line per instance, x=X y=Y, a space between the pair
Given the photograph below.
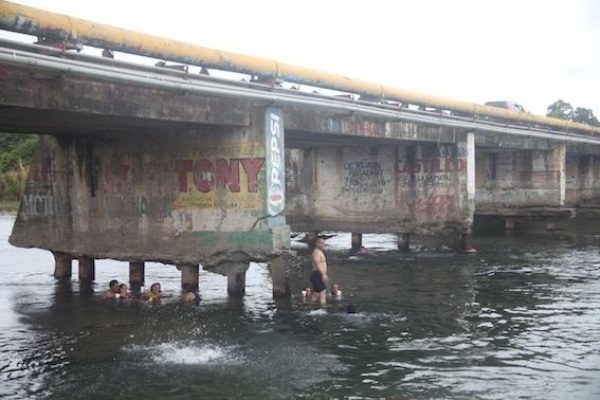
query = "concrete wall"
x=526 y=178
x=582 y=179
x=198 y=196
x=420 y=188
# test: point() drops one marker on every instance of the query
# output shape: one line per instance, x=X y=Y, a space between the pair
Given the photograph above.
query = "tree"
x=563 y=110
x=585 y=116
x=16 y=151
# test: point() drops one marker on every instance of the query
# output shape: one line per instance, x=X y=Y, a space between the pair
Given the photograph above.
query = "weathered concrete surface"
x=318 y=128
x=421 y=188
x=508 y=182
x=198 y=197
x=49 y=103
x=582 y=180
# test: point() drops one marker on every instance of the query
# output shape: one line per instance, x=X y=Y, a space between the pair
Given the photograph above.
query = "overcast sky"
x=530 y=51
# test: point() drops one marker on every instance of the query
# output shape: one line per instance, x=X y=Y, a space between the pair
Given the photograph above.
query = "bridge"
x=210 y=158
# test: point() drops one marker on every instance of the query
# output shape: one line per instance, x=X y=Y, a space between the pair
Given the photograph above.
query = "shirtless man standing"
x=318 y=276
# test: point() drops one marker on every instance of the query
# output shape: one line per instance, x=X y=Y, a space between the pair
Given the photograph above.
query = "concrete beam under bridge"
x=61 y=103
x=307 y=128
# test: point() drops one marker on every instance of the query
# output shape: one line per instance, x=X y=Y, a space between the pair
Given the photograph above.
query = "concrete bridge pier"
x=137 y=271
x=509 y=224
x=236 y=277
x=462 y=245
x=356 y=242
x=190 y=274
x=281 y=284
x=62 y=265
x=87 y=269
x=404 y=242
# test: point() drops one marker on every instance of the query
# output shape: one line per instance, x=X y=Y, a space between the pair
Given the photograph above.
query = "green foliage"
x=585 y=116
x=12 y=184
x=16 y=151
x=560 y=109
x=563 y=110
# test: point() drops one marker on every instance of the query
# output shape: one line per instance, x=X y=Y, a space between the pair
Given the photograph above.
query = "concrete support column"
x=509 y=224
x=404 y=242
x=62 y=266
x=559 y=163
x=281 y=284
x=236 y=277
x=136 y=275
x=461 y=244
x=468 y=149
x=356 y=242
x=190 y=275
x=87 y=269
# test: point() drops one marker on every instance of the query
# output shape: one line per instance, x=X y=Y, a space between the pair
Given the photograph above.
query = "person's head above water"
x=335 y=289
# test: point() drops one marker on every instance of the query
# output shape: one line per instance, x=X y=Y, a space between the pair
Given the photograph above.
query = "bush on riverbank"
x=16 y=152
x=12 y=184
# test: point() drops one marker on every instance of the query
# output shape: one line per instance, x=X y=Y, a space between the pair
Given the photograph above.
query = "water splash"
x=186 y=354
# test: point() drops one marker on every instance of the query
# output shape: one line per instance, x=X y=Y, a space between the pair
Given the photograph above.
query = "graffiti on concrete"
x=430 y=172
x=217 y=181
x=436 y=205
x=38 y=205
x=363 y=177
x=38 y=199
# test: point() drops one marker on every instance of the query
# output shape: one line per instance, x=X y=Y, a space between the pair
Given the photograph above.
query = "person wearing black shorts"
x=318 y=276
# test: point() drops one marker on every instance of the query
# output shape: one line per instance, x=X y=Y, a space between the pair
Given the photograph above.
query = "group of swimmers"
x=334 y=292
x=120 y=291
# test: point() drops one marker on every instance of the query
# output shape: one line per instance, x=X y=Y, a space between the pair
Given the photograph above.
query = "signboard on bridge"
x=275 y=154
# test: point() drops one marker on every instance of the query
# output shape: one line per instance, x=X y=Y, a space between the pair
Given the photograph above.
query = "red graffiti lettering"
x=436 y=206
x=182 y=167
x=204 y=172
x=252 y=167
x=226 y=174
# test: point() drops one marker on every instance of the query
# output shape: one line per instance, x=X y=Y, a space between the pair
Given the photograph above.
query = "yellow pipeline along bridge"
x=32 y=21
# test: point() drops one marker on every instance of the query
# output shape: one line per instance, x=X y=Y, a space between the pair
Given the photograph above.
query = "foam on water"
x=186 y=354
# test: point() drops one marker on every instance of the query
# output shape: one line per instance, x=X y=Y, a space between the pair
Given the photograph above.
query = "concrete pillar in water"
x=236 y=277
x=509 y=224
x=404 y=242
x=62 y=266
x=87 y=269
x=557 y=159
x=190 y=275
x=137 y=273
x=281 y=284
x=356 y=242
x=461 y=244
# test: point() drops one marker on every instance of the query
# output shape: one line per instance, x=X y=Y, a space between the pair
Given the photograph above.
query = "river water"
x=518 y=320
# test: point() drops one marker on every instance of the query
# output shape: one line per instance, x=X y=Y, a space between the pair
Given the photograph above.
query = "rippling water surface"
x=518 y=320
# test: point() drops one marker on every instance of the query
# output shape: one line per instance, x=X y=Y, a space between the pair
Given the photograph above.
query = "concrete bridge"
x=140 y=162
